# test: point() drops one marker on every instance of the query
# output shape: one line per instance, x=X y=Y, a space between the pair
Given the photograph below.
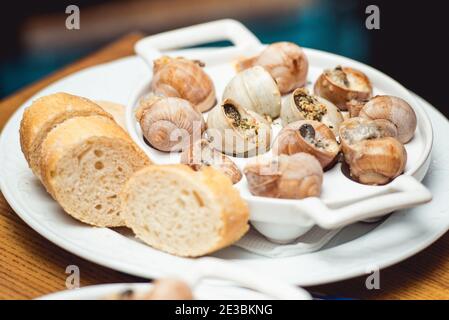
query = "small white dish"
x=248 y=284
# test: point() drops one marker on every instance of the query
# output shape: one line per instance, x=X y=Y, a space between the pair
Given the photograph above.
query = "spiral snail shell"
x=169 y=124
x=373 y=156
x=289 y=177
x=236 y=131
x=183 y=78
x=254 y=89
x=394 y=110
x=285 y=61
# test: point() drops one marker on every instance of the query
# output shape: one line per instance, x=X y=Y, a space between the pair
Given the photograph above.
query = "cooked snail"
x=254 y=89
x=237 y=131
x=290 y=177
x=162 y=289
x=200 y=154
x=395 y=110
x=354 y=107
x=183 y=78
x=169 y=289
x=343 y=84
x=285 y=61
x=169 y=124
x=311 y=137
x=373 y=156
x=301 y=105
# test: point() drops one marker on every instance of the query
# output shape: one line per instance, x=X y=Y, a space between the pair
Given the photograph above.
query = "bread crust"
x=74 y=132
x=234 y=211
x=44 y=114
x=117 y=111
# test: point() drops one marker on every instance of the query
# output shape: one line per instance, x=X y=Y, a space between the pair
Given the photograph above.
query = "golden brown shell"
x=354 y=107
x=311 y=137
x=285 y=61
x=288 y=177
x=343 y=84
x=372 y=155
x=183 y=78
x=201 y=154
x=395 y=110
x=169 y=124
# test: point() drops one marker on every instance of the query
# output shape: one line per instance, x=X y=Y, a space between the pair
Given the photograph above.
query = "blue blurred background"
x=36 y=41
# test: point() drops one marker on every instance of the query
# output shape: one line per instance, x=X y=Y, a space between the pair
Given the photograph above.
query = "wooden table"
x=31 y=266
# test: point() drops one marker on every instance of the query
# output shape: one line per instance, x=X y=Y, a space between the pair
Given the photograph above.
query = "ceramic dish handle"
x=403 y=192
x=219 y=30
x=213 y=268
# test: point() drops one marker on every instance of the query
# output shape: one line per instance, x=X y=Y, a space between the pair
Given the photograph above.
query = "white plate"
x=342 y=201
x=350 y=253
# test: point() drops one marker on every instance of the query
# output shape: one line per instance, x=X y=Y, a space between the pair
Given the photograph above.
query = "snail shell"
x=311 y=137
x=395 y=110
x=354 y=107
x=357 y=129
x=301 y=105
x=183 y=78
x=289 y=177
x=169 y=289
x=237 y=131
x=343 y=84
x=373 y=156
x=200 y=154
x=169 y=124
x=285 y=61
x=254 y=89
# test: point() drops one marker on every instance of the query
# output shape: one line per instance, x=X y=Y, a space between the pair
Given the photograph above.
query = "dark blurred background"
x=410 y=46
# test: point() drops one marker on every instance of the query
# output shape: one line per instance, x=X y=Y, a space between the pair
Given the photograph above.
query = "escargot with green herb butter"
x=301 y=105
x=236 y=131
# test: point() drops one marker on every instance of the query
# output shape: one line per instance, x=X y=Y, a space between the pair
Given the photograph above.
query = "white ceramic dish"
x=251 y=285
x=342 y=201
x=357 y=249
x=203 y=292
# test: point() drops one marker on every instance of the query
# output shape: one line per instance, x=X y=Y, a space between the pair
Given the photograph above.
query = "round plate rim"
x=123 y=266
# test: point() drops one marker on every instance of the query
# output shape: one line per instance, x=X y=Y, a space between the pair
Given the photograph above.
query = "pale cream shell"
x=254 y=89
x=228 y=139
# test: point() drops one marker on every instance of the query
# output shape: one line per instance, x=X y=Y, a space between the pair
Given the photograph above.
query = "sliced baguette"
x=117 y=111
x=44 y=114
x=85 y=162
x=177 y=210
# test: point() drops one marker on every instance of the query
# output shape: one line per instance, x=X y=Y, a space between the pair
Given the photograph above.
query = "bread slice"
x=183 y=212
x=85 y=162
x=117 y=111
x=44 y=114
